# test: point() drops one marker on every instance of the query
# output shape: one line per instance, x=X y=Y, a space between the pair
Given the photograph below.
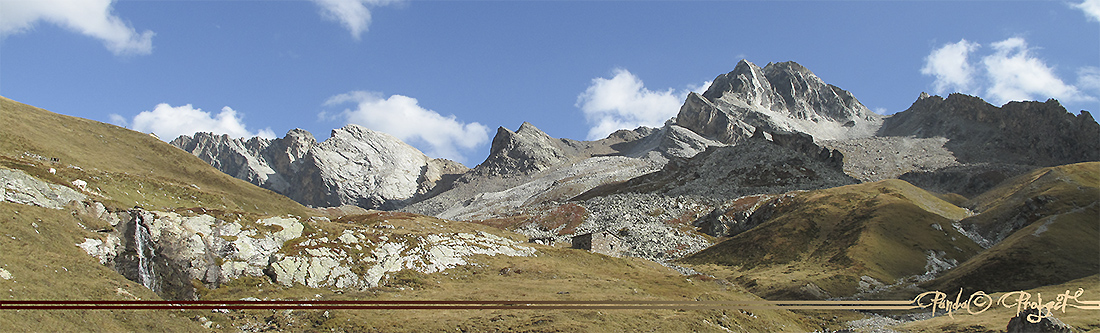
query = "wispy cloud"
x=354 y=15
x=1088 y=78
x=403 y=117
x=94 y=18
x=169 y=122
x=950 y=66
x=1091 y=9
x=1010 y=73
x=623 y=102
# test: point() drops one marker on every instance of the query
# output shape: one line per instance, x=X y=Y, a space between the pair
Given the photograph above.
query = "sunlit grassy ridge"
x=127 y=168
x=833 y=237
x=1056 y=216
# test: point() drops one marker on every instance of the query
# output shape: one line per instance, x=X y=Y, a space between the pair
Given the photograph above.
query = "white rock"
x=19 y=187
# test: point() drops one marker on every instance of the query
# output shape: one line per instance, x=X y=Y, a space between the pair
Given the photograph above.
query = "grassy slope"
x=554 y=274
x=134 y=169
x=127 y=167
x=832 y=237
x=1059 y=242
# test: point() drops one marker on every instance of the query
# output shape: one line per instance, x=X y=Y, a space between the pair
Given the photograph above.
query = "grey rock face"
x=1026 y=133
x=780 y=96
x=968 y=180
x=179 y=249
x=524 y=151
x=764 y=163
x=992 y=143
x=641 y=222
x=18 y=187
x=741 y=214
x=355 y=166
x=528 y=167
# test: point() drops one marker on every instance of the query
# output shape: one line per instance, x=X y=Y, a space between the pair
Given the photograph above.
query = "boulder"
x=1021 y=323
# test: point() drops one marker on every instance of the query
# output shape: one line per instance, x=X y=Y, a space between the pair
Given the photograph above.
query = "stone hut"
x=602 y=242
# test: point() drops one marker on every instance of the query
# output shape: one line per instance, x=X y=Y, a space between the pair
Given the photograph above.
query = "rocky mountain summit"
x=779 y=97
x=355 y=166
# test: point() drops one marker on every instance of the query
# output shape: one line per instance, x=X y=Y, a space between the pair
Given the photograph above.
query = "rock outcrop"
x=528 y=167
x=18 y=187
x=779 y=97
x=764 y=163
x=1030 y=321
x=992 y=143
x=525 y=151
x=355 y=166
x=1025 y=133
x=165 y=251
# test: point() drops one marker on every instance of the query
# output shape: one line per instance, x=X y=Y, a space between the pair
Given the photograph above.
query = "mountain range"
x=770 y=184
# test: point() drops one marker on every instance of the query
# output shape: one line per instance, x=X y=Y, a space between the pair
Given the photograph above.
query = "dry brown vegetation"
x=831 y=238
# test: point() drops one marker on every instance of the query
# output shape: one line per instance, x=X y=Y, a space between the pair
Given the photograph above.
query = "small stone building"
x=602 y=242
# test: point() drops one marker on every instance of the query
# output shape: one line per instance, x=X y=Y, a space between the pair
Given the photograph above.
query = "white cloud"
x=169 y=122
x=950 y=66
x=353 y=14
x=93 y=18
x=1088 y=78
x=623 y=102
x=119 y=120
x=1091 y=9
x=404 y=118
x=1016 y=75
x=1009 y=73
x=701 y=88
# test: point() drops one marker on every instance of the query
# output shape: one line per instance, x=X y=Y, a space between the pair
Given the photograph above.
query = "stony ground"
x=877 y=158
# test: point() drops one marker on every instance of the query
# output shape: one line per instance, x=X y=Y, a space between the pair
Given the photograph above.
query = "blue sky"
x=442 y=75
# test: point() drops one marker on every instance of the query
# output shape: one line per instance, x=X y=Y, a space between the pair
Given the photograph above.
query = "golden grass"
x=1059 y=212
x=127 y=168
x=555 y=274
x=832 y=237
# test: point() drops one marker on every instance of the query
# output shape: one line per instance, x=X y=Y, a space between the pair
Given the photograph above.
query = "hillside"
x=1039 y=225
x=200 y=234
x=772 y=184
x=843 y=241
x=123 y=168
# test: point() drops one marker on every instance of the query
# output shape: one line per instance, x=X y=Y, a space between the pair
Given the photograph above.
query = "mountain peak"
x=528 y=127
x=526 y=150
x=782 y=96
